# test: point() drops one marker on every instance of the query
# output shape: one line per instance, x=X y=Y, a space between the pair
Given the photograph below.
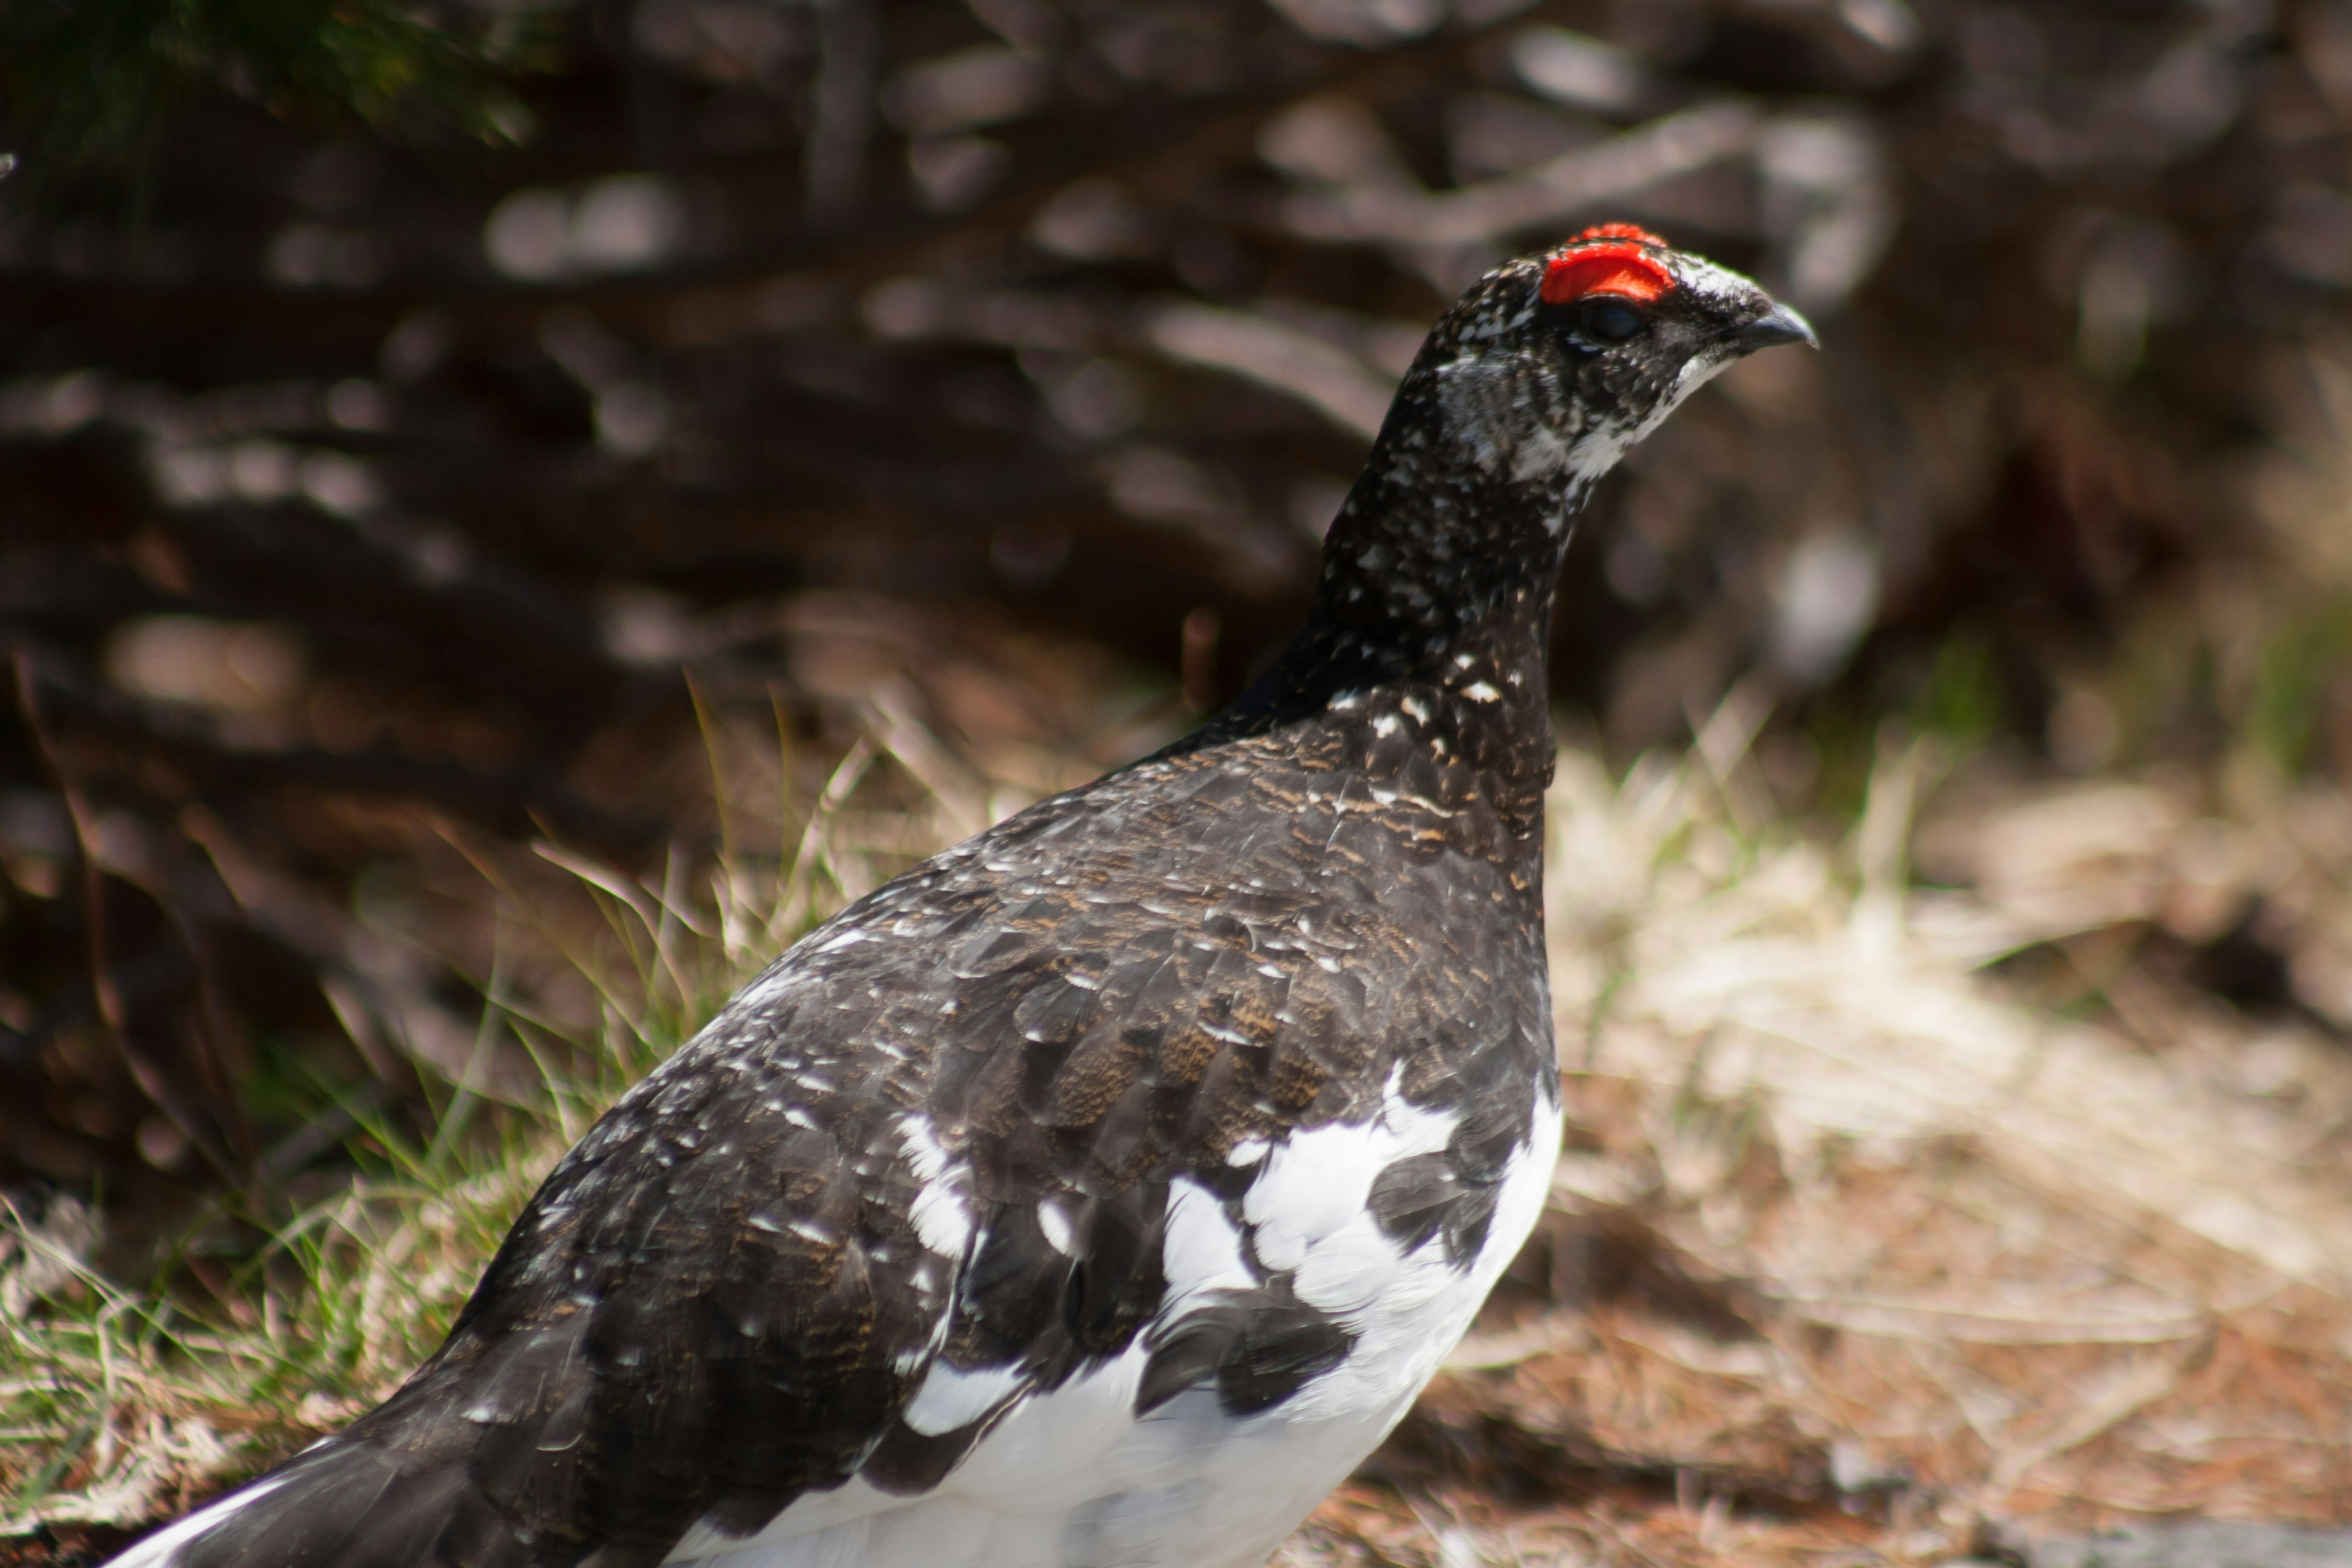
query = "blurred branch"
x=1554 y=192
x=1331 y=381
x=841 y=104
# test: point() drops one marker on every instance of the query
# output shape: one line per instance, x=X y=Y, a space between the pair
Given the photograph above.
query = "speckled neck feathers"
x=1433 y=607
x=1433 y=611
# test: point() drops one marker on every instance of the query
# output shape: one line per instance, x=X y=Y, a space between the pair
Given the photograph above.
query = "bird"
x=1101 y=1192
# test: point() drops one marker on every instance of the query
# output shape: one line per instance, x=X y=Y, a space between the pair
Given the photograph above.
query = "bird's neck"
x=1432 y=615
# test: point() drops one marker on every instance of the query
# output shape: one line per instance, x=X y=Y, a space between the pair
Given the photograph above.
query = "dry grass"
x=1888 y=1215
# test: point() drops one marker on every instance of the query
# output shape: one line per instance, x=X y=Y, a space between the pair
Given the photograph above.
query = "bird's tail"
x=457 y=1470
x=342 y=1504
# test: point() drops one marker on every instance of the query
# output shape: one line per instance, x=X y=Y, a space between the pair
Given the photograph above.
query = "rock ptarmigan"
x=1098 y=1193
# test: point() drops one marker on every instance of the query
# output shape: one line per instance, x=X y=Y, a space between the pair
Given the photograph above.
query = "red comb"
x=1620 y=231
x=1620 y=267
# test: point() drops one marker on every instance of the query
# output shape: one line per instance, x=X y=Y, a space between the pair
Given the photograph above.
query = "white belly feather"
x=1074 y=1478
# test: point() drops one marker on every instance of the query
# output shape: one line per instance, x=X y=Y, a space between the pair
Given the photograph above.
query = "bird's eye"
x=1612 y=321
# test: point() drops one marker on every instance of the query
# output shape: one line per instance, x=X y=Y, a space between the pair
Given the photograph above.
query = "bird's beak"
x=1782 y=325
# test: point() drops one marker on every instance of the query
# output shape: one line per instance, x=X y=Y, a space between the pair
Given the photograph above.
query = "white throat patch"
x=1597 y=450
x=1486 y=403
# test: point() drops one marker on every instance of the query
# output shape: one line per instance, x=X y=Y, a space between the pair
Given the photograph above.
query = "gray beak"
x=1781 y=325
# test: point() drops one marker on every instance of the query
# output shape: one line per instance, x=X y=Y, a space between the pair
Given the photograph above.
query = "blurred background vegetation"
x=491 y=493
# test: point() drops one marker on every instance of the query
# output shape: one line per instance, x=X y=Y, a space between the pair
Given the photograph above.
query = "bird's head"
x=1550 y=366
x=1441 y=563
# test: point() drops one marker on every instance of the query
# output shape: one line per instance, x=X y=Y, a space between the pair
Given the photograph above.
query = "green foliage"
x=1963 y=700
x=2303 y=662
x=1959 y=701
x=87 y=86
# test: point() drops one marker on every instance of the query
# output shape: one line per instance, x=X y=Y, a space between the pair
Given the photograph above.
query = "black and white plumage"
x=1098 y=1193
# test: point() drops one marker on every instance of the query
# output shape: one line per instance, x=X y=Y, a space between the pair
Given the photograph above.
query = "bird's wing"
x=960 y=1145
